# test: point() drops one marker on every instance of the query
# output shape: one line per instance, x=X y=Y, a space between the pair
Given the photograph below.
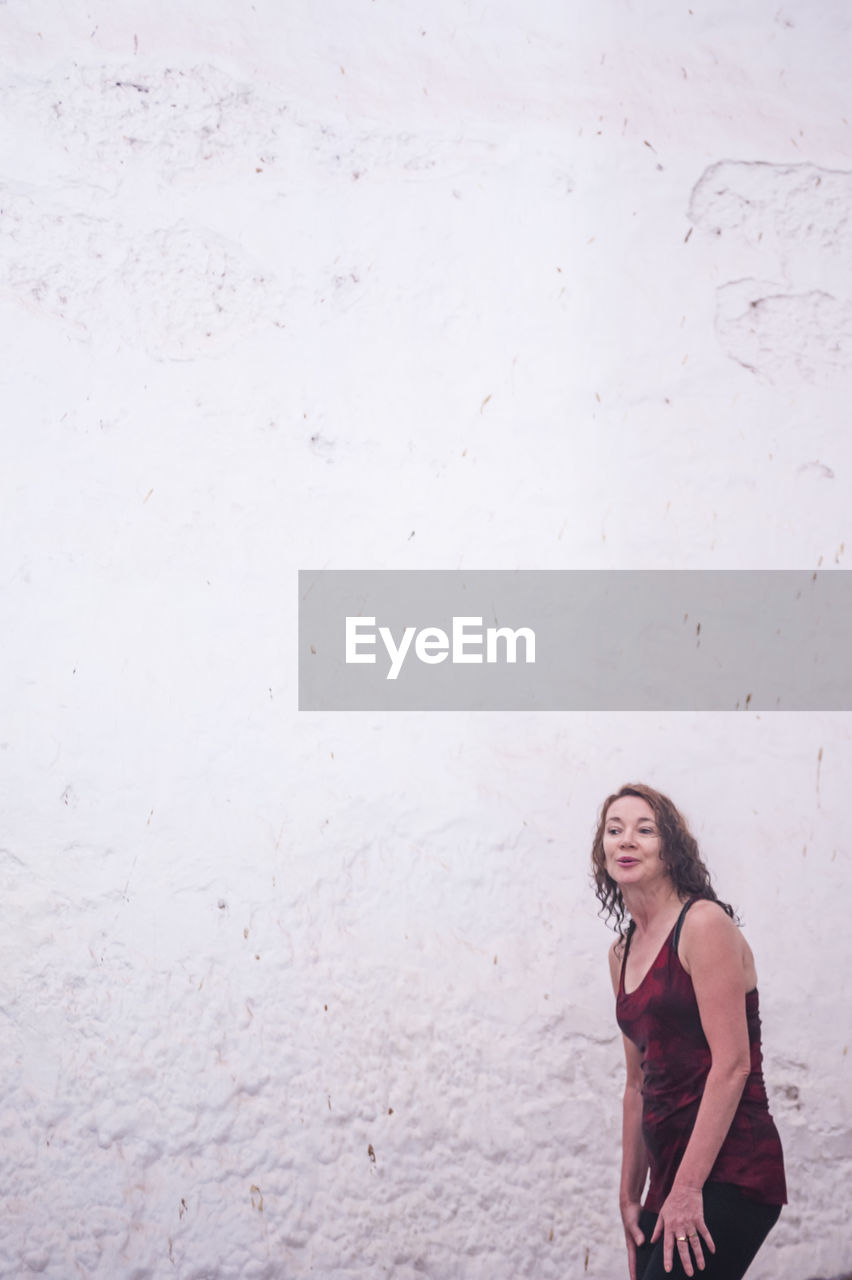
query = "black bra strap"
x=627 y=939
x=679 y=924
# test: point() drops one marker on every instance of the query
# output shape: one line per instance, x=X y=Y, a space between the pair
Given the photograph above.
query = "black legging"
x=737 y=1224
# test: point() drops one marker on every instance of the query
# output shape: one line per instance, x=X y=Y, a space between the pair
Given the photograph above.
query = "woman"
x=695 y=1110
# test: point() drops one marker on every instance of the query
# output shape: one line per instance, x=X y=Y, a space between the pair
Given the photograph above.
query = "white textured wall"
x=372 y=284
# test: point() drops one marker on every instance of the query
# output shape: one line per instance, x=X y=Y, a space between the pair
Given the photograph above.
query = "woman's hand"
x=633 y=1234
x=681 y=1224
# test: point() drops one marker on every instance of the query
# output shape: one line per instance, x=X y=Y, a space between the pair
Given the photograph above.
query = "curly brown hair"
x=679 y=851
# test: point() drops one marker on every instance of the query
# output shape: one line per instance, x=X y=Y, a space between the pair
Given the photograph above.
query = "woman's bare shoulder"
x=708 y=921
x=708 y=930
x=710 y=917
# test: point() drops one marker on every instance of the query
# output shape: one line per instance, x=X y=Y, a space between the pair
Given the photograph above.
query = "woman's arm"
x=634 y=1157
x=712 y=953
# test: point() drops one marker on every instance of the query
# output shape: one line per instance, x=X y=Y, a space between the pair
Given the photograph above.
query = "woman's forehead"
x=629 y=807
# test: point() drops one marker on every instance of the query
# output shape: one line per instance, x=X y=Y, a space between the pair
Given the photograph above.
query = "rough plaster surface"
x=796 y=219
x=393 y=286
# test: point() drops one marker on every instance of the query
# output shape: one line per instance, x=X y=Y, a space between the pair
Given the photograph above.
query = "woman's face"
x=632 y=843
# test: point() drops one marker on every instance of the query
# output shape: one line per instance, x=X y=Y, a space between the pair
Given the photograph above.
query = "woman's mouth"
x=627 y=862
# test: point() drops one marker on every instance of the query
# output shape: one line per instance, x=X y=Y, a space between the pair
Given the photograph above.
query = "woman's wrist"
x=687 y=1184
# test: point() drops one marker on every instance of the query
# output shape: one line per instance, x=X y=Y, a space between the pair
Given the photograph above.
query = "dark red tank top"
x=661 y=1018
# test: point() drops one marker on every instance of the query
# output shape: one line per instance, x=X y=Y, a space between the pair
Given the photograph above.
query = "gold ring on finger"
x=681 y=1239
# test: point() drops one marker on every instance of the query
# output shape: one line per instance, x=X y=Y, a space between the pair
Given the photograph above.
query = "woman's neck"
x=651 y=905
